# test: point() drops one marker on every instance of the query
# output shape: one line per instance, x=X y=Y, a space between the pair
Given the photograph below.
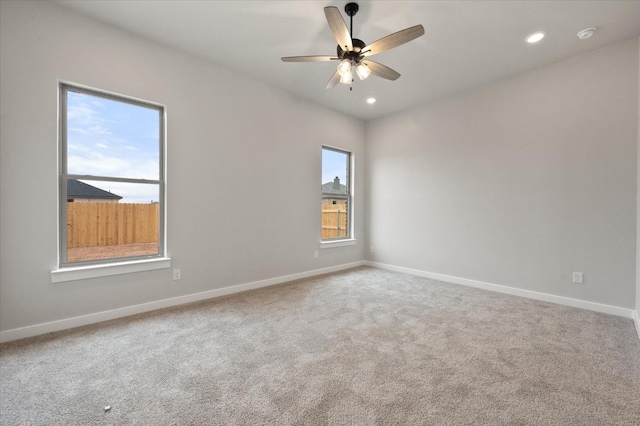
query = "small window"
x=336 y=194
x=111 y=177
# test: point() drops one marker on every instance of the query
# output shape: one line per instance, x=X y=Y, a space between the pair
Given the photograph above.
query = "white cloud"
x=78 y=130
x=81 y=113
x=98 y=129
x=98 y=164
x=99 y=145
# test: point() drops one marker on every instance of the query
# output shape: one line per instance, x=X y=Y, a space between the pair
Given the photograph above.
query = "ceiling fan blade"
x=382 y=70
x=335 y=79
x=316 y=58
x=393 y=40
x=338 y=28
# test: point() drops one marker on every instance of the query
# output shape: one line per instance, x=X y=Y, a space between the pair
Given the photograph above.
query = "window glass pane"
x=111 y=138
x=107 y=220
x=118 y=212
x=335 y=194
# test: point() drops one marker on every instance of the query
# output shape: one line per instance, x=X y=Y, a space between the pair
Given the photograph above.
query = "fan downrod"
x=351 y=9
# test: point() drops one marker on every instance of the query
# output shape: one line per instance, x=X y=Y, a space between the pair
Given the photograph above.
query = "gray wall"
x=518 y=183
x=638 y=205
x=243 y=172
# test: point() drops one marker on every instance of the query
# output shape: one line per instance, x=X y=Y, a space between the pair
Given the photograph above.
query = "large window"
x=336 y=194
x=111 y=177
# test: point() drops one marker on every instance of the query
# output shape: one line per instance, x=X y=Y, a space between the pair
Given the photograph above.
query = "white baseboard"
x=65 y=324
x=68 y=323
x=560 y=300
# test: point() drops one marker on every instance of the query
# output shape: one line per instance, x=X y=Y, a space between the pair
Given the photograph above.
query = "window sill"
x=338 y=243
x=104 y=270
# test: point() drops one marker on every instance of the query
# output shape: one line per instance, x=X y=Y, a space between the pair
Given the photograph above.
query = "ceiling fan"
x=351 y=52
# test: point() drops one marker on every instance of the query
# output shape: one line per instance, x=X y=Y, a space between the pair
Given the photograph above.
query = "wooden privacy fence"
x=108 y=224
x=334 y=220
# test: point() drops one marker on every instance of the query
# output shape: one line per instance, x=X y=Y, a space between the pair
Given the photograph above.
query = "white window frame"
x=349 y=239
x=103 y=267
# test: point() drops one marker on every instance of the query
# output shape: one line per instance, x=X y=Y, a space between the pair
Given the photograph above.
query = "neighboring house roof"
x=334 y=189
x=77 y=189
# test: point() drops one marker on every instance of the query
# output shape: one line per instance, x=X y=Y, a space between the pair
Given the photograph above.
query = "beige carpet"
x=362 y=347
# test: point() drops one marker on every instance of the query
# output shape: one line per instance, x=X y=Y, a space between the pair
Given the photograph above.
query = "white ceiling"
x=466 y=43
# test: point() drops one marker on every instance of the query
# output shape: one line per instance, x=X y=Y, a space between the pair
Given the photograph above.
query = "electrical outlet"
x=315 y=254
x=577 y=277
x=371 y=249
x=177 y=274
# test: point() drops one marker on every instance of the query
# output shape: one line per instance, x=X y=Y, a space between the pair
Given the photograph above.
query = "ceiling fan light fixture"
x=344 y=68
x=346 y=78
x=363 y=71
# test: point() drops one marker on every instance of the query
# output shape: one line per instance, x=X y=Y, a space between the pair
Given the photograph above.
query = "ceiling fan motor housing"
x=358 y=45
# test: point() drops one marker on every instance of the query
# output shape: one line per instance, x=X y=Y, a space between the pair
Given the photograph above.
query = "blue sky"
x=334 y=164
x=113 y=139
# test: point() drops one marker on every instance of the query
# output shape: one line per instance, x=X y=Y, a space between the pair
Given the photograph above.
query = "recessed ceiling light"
x=586 y=33
x=535 y=37
x=371 y=101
